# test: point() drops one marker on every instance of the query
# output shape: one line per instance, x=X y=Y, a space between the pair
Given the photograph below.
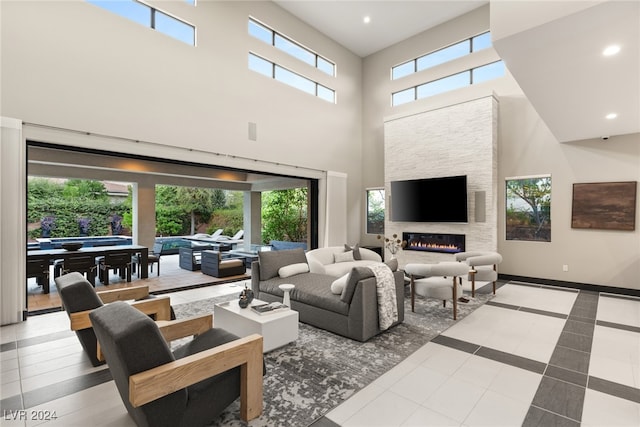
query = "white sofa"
x=323 y=260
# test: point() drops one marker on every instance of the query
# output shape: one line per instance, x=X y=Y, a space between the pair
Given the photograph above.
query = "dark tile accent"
x=467 y=347
x=512 y=359
x=324 y=422
x=12 y=403
x=8 y=346
x=618 y=326
x=585 y=313
x=573 y=377
x=501 y=305
x=579 y=328
x=575 y=342
x=570 y=359
x=562 y=285
x=45 y=338
x=537 y=417
x=560 y=398
x=614 y=389
x=543 y=312
x=55 y=391
x=586 y=320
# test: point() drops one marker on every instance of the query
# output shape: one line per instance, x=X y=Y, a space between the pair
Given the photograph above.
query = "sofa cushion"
x=272 y=261
x=355 y=249
x=310 y=288
x=343 y=257
x=337 y=286
x=293 y=269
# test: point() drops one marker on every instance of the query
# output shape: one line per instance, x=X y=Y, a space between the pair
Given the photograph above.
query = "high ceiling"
x=390 y=21
x=552 y=49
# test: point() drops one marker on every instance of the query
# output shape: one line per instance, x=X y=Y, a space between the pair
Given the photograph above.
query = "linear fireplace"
x=432 y=242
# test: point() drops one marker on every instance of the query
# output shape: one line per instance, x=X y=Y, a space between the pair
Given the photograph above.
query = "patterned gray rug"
x=308 y=378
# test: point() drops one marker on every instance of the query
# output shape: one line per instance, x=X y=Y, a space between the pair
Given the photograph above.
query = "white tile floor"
x=437 y=385
x=442 y=386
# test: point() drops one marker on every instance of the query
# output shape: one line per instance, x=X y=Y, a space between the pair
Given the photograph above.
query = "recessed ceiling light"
x=611 y=116
x=611 y=50
x=366 y=19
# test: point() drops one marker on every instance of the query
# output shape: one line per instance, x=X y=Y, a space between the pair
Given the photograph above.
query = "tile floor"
x=531 y=356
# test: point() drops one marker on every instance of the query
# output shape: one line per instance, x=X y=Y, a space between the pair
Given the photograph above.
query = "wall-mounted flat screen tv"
x=430 y=200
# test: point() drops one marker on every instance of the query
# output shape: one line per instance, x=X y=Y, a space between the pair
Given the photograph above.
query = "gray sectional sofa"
x=353 y=313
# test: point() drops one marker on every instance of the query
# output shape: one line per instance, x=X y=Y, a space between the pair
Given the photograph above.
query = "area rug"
x=308 y=378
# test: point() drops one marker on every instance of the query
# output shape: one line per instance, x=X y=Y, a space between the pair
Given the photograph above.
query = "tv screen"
x=430 y=200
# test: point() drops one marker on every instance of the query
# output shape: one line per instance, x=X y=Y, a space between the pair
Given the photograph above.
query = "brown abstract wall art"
x=604 y=205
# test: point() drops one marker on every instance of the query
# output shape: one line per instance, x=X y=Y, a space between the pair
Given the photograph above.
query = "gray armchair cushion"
x=355 y=249
x=132 y=343
x=272 y=261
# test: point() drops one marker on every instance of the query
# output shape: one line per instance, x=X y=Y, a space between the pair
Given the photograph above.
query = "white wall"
x=72 y=65
x=525 y=147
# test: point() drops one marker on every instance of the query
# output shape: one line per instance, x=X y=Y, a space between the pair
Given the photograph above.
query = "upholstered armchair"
x=79 y=297
x=483 y=266
x=189 y=386
x=439 y=281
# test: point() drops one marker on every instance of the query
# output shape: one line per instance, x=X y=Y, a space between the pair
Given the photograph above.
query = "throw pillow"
x=338 y=285
x=355 y=249
x=343 y=257
x=392 y=264
x=272 y=261
x=293 y=269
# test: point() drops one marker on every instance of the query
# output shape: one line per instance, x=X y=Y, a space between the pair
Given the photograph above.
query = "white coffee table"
x=277 y=329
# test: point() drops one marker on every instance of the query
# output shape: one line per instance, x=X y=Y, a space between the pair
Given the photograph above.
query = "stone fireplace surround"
x=458 y=139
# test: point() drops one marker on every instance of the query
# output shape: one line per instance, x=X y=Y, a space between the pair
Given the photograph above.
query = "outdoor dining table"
x=96 y=251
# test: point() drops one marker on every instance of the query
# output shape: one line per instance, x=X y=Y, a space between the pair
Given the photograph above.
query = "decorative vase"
x=246 y=296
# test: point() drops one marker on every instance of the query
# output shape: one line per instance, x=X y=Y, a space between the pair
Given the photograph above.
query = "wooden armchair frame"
x=163 y=380
x=159 y=308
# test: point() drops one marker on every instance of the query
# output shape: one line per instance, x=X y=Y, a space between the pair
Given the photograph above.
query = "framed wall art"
x=604 y=205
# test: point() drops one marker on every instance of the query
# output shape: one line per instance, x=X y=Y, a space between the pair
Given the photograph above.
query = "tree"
x=84 y=188
x=284 y=215
x=536 y=193
x=196 y=201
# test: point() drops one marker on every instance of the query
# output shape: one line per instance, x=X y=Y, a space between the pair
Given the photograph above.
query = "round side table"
x=286 y=288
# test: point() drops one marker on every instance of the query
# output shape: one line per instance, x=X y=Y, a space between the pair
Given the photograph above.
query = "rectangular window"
x=260 y=32
x=292 y=79
x=403 y=96
x=261 y=66
x=151 y=18
x=444 y=55
x=275 y=71
x=375 y=211
x=285 y=44
x=440 y=56
x=175 y=28
x=488 y=72
x=403 y=70
x=445 y=84
x=480 y=42
x=294 y=50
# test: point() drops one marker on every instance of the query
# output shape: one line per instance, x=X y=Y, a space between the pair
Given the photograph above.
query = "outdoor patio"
x=171 y=278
